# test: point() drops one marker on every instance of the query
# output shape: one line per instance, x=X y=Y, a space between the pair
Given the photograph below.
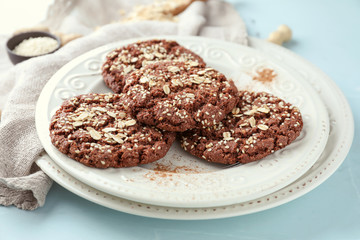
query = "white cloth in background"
x=22 y=183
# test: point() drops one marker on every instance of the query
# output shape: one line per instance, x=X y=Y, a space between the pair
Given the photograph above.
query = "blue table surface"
x=327 y=34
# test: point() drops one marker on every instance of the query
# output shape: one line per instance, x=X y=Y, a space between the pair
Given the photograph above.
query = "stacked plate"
x=180 y=186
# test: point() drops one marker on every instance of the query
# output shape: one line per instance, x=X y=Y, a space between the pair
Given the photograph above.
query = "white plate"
x=196 y=183
x=337 y=147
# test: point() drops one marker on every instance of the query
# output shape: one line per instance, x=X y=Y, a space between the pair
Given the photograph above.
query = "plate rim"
x=347 y=138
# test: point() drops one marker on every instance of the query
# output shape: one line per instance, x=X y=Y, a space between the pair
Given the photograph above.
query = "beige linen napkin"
x=22 y=183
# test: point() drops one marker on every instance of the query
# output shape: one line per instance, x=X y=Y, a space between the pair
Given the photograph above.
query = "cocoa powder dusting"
x=265 y=75
x=173 y=169
x=165 y=171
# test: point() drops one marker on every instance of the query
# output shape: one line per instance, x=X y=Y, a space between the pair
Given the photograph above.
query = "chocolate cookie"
x=124 y=60
x=177 y=96
x=259 y=125
x=98 y=131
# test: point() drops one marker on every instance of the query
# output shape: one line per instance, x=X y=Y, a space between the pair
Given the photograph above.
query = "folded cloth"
x=22 y=183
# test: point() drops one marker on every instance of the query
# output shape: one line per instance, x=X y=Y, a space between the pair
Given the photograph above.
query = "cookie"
x=259 y=125
x=177 y=96
x=98 y=131
x=124 y=60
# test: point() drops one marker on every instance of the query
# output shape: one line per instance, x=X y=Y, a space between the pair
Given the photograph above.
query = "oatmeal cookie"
x=124 y=60
x=177 y=96
x=259 y=125
x=98 y=131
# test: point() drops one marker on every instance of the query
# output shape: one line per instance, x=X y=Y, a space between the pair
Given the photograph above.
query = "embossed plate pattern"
x=190 y=182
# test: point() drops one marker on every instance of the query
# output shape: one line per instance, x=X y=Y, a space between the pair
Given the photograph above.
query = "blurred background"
x=325 y=32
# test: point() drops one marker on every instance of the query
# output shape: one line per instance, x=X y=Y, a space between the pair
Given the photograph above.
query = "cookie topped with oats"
x=177 y=96
x=98 y=131
x=259 y=125
x=122 y=61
